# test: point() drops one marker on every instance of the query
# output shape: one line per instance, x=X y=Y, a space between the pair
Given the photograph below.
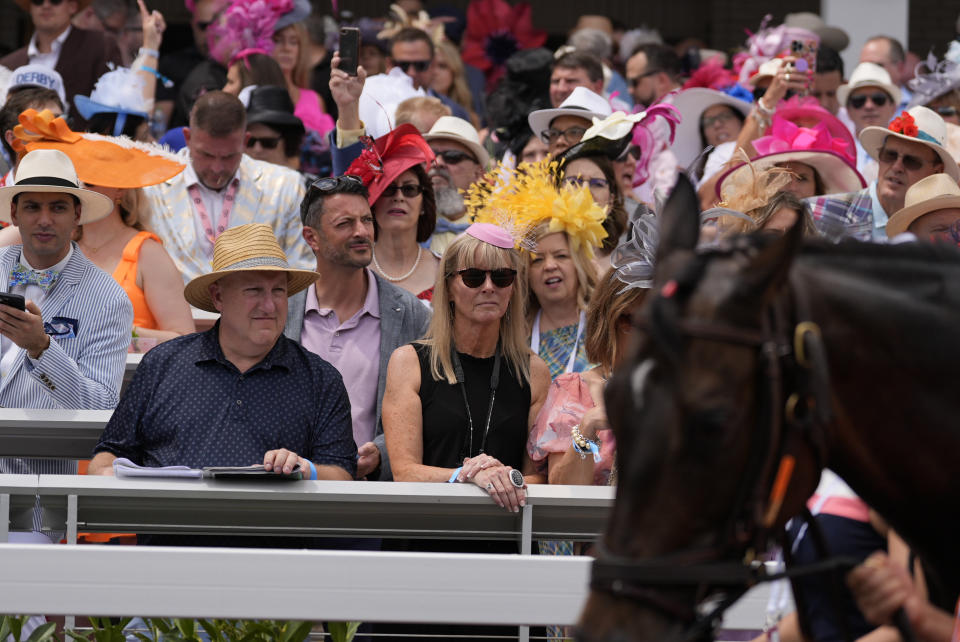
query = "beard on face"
x=449 y=199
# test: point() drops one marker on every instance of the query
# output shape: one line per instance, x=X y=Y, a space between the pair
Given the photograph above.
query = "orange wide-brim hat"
x=105 y=161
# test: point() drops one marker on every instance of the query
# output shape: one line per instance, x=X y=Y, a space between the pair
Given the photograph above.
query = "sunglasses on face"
x=475 y=277
x=879 y=99
x=947 y=111
x=409 y=190
x=202 y=26
x=266 y=142
x=910 y=162
x=570 y=134
x=636 y=80
x=592 y=183
x=418 y=65
x=454 y=157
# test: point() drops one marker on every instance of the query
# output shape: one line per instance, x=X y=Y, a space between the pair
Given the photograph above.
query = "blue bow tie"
x=44 y=279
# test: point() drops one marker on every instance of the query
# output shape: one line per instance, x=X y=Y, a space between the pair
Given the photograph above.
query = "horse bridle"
x=760 y=494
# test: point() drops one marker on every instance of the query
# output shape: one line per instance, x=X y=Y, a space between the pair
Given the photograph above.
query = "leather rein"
x=793 y=360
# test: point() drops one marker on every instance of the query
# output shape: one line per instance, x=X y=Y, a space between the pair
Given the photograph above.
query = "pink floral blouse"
x=568 y=399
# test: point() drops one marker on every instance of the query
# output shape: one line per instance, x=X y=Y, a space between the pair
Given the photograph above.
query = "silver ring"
x=489 y=486
x=787 y=77
x=516 y=478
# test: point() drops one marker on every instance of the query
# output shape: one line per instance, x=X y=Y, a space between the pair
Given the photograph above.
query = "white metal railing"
x=61 y=434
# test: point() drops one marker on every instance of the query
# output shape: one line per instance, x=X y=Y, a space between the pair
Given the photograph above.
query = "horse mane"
x=856 y=250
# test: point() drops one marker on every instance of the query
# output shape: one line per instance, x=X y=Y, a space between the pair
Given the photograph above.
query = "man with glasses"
x=80 y=56
x=413 y=52
x=352 y=317
x=889 y=54
x=564 y=126
x=274 y=132
x=221 y=188
x=911 y=148
x=460 y=162
x=871 y=101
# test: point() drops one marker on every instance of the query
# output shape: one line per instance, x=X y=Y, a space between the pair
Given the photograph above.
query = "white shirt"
x=30 y=292
x=51 y=59
x=212 y=201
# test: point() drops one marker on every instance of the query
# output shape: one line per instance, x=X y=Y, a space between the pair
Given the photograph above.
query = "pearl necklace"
x=394 y=279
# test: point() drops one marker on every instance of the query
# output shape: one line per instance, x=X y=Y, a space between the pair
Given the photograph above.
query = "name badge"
x=61 y=327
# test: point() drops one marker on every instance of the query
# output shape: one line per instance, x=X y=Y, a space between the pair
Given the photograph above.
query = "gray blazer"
x=403 y=318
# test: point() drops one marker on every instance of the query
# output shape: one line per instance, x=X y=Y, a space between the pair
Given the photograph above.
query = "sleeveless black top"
x=446 y=432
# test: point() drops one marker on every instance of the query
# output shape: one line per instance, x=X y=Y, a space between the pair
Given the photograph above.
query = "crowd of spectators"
x=425 y=269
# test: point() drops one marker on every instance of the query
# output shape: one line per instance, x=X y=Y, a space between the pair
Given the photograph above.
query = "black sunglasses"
x=570 y=134
x=947 y=111
x=409 y=190
x=879 y=99
x=331 y=183
x=475 y=277
x=913 y=163
x=267 y=142
x=454 y=157
x=418 y=65
x=636 y=79
x=39 y=3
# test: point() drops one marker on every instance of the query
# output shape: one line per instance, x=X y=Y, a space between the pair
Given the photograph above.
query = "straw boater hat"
x=459 y=131
x=935 y=192
x=868 y=74
x=246 y=248
x=49 y=170
x=918 y=125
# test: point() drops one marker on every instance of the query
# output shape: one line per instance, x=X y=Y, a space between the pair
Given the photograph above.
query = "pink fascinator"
x=492 y=234
x=245 y=28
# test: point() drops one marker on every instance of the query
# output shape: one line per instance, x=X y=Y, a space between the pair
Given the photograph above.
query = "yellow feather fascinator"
x=521 y=199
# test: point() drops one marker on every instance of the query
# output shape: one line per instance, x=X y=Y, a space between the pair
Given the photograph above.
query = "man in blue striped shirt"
x=63 y=344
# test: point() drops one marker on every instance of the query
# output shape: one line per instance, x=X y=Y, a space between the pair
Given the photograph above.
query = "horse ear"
x=679 y=219
x=769 y=268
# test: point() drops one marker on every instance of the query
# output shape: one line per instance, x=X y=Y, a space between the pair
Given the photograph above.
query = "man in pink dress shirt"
x=350 y=316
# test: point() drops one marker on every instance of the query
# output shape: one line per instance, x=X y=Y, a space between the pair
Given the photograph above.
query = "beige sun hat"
x=459 y=131
x=246 y=248
x=930 y=131
x=581 y=102
x=868 y=74
x=935 y=192
x=50 y=170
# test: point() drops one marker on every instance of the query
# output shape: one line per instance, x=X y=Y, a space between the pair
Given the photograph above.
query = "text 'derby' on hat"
x=246 y=248
x=49 y=170
x=38 y=76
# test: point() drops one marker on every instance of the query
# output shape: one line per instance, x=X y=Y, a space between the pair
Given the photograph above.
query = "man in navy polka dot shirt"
x=240 y=393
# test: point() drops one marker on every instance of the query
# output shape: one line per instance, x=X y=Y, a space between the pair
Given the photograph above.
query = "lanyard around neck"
x=494 y=381
x=205 y=219
x=535 y=339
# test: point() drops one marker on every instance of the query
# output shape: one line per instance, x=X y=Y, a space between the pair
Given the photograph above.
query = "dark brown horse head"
x=685 y=412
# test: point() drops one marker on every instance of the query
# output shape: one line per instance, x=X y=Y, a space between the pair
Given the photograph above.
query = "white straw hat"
x=581 y=102
x=691 y=103
x=49 y=170
x=930 y=131
x=868 y=74
x=459 y=131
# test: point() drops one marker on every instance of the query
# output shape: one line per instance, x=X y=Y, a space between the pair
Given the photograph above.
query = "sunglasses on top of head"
x=475 y=277
x=418 y=65
x=409 y=190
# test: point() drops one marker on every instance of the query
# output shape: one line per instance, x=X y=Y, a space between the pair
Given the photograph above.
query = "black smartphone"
x=349 y=50
x=13 y=300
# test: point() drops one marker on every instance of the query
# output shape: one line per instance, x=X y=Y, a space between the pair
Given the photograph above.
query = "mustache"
x=441 y=172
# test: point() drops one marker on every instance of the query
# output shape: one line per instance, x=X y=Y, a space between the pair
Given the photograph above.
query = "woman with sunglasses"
x=404 y=208
x=459 y=403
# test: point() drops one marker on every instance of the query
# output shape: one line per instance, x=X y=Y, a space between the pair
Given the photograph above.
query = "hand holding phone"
x=349 y=50
x=13 y=300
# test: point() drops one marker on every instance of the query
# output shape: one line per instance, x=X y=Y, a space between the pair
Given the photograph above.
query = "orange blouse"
x=126 y=275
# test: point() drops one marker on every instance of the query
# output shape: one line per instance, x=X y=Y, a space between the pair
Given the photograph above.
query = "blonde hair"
x=582 y=265
x=300 y=74
x=411 y=110
x=610 y=302
x=459 y=90
x=464 y=252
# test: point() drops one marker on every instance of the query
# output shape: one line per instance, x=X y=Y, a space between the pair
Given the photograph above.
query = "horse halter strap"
x=784 y=349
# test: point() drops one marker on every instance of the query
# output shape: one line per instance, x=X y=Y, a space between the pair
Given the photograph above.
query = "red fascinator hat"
x=385 y=158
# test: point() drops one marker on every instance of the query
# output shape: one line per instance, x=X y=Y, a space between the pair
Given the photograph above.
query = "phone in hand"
x=349 y=50
x=13 y=300
x=805 y=53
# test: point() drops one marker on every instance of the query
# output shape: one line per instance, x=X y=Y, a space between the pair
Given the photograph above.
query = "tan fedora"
x=868 y=74
x=459 y=131
x=50 y=170
x=935 y=192
x=246 y=248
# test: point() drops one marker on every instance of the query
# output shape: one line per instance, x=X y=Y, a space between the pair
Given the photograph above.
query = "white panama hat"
x=581 y=102
x=50 y=170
